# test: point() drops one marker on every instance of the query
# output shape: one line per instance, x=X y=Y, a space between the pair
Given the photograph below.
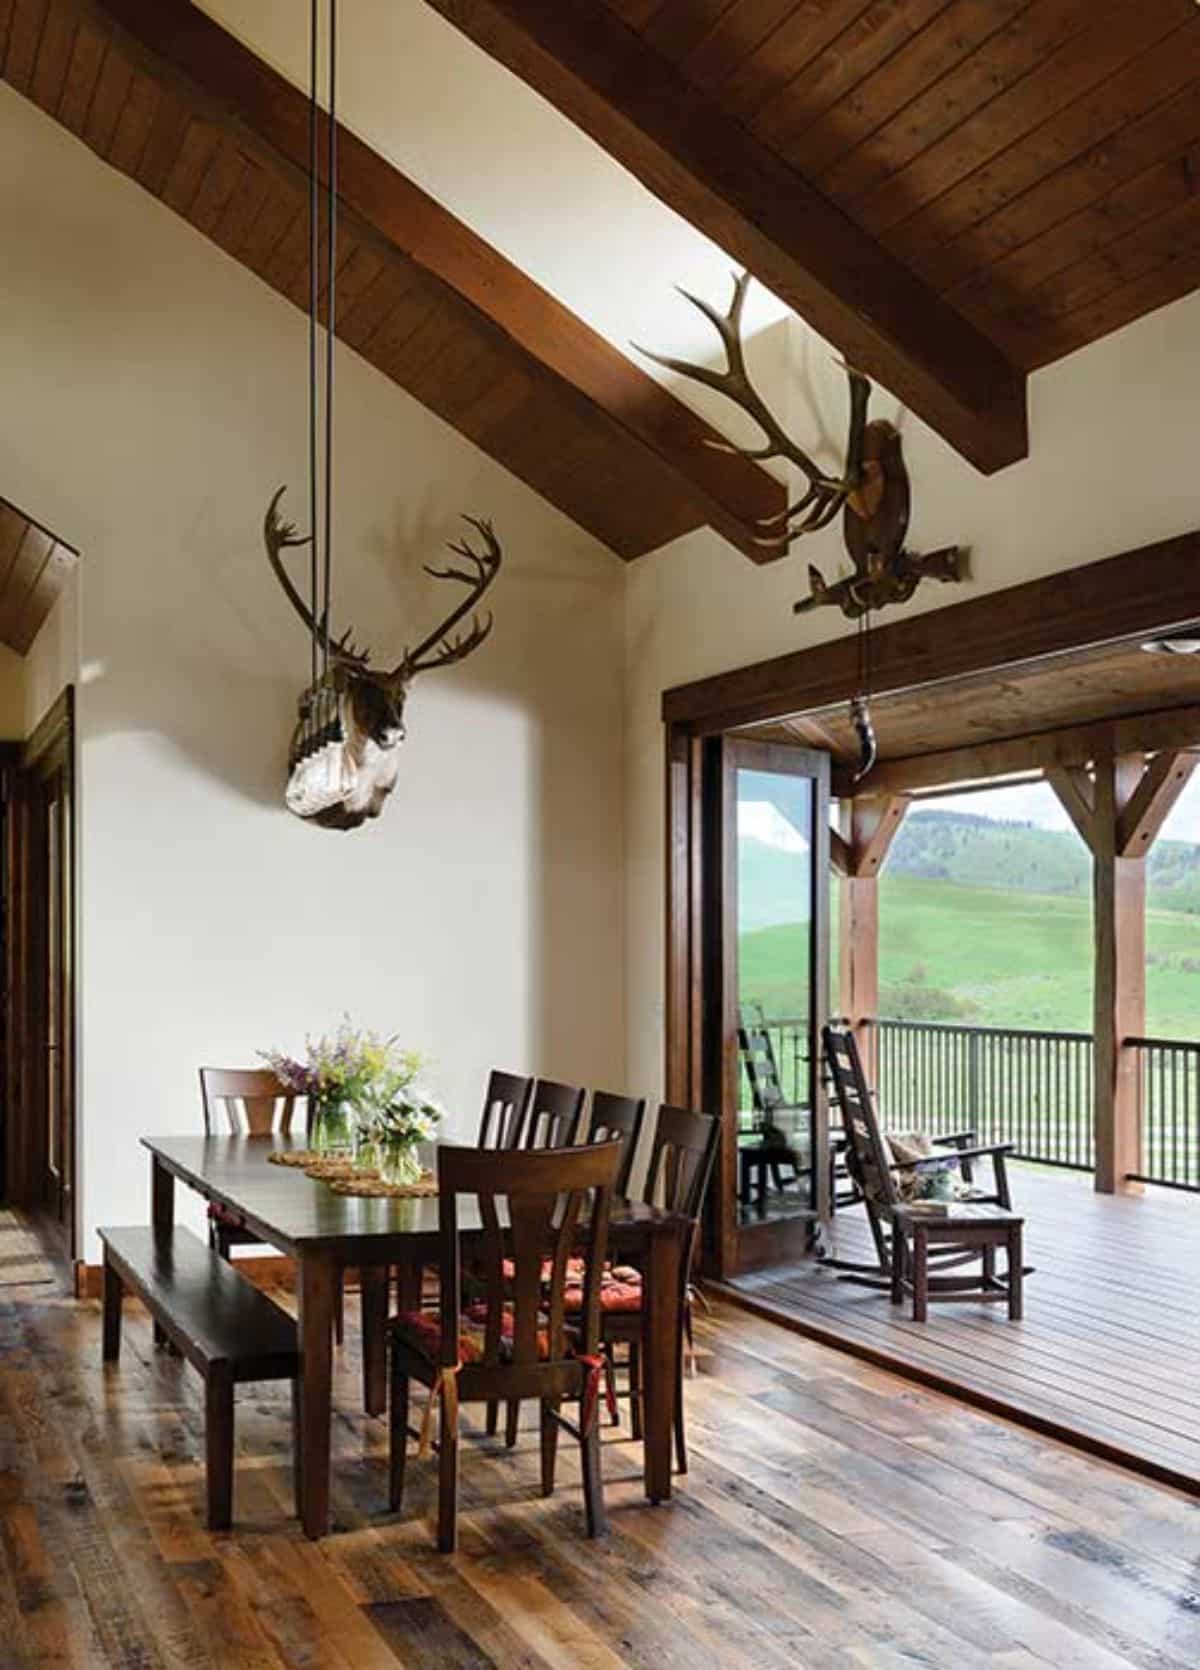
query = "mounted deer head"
x=344 y=756
x=871 y=488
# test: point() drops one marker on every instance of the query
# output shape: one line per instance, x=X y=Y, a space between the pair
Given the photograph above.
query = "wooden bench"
x=225 y=1326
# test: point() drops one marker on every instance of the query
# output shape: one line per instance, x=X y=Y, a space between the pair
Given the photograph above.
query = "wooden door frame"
x=1148 y=592
x=49 y=751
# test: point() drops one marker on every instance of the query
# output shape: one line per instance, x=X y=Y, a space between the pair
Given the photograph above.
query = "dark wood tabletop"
x=295 y=1212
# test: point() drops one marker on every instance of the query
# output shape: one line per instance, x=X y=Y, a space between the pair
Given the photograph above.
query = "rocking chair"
x=918 y=1242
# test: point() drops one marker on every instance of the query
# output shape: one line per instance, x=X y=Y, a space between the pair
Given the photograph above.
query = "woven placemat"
x=366 y=1187
x=322 y=1166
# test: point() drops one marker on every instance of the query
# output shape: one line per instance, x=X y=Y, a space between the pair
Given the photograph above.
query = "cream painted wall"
x=1112 y=465
x=161 y=403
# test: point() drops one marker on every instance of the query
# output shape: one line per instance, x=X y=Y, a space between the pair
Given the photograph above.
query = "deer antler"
x=448 y=646
x=279 y=536
x=826 y=494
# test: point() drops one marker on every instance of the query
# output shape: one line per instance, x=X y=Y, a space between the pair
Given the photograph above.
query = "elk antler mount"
x=871 y=489
x=352 y=716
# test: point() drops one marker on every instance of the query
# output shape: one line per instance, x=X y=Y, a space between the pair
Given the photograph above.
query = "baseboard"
x=272 y=1272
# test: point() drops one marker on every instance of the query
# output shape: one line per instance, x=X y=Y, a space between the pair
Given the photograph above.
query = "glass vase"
x=333 y=1129
x=400 y=1163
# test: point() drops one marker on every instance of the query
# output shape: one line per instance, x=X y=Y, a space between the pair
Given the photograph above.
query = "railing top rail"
x=1186 y=1045
x=983 y=1031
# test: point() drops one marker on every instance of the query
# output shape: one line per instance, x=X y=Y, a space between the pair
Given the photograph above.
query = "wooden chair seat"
x=419 y=1330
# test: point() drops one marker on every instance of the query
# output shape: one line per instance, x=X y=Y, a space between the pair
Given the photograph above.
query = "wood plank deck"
x=1108 y=1355
x=835 y=1518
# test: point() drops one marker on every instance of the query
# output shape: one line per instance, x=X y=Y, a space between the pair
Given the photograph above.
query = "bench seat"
x=226 y=1328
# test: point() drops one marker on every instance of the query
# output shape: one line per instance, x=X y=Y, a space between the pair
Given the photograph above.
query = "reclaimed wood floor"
x=835 y=1518
x=1108 y=1353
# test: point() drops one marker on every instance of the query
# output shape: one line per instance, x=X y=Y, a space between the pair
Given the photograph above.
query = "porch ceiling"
x=1027 y=700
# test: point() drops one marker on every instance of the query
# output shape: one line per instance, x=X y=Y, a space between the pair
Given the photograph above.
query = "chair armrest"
x=955 y=1139
x=959 y=1154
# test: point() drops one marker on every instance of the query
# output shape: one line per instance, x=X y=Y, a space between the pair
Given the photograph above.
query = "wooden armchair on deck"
x=917 y=1242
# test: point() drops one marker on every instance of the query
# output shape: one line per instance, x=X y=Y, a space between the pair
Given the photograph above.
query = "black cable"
x=330 y=335
x=313 y=306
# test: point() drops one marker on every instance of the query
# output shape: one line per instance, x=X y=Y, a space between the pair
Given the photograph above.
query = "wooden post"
x=869 y=826
x=1119 y=989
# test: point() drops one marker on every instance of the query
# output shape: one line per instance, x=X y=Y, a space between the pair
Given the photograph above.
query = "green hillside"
x=991 y=923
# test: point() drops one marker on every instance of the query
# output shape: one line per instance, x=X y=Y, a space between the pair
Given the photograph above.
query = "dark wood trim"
x=1141 y=593
x=711 y=170
x=1045 y=1425
x=484 y=295
x=48 y=754
x=1026 y=758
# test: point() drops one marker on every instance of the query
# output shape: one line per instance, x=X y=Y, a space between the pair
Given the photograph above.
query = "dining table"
x=325 y=1233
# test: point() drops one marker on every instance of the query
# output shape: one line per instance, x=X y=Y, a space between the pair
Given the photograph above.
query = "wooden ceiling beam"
x=179 y=104
x=711 y=170
x=1147 y=593
x=1169 y=729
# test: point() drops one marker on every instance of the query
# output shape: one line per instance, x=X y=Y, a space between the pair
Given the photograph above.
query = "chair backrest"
x=618 y=1116
x=530 y=1204
x=254 y=1100
x=555 y=1115
x=681 y=1160
x=504 y=1107
x=762 y=1071
x=868 y=1159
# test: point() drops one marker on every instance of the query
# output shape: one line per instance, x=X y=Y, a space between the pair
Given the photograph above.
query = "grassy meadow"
x=988 y=956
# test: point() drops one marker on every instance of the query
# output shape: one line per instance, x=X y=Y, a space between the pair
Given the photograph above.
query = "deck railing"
x=1169 y=1076
x=1015 y=1084
x=1033 y=1089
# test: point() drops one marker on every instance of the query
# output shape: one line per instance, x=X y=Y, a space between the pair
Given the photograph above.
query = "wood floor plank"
x=834 y=1516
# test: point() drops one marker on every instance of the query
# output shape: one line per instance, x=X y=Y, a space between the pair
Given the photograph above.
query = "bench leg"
x=218 y=1447
x=114 y=1292
x=296 y=1415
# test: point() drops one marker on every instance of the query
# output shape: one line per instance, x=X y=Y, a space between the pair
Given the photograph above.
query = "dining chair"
x=611 y=1115
x=504 y=1106
x=554 y=1119
x=681 y=1165
x=555 y=1115
x=255 y=1102
x=515 y=1340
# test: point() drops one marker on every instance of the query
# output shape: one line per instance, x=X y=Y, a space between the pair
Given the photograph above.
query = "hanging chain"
x=330 y=332
x=314 y=291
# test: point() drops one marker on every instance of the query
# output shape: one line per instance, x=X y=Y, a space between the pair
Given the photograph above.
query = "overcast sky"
x=1037 y=803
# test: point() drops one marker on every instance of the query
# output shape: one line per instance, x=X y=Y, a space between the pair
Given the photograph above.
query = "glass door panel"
x=776 y=959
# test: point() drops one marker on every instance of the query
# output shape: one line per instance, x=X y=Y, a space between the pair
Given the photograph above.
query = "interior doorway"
x=40 y=1137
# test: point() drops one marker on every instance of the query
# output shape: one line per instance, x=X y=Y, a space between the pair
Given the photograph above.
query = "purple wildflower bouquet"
x=356 y=1075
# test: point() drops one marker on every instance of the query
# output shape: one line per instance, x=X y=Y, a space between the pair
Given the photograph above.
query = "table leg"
x=373 y=1291
x=316 y=1285
x=162 y=1216
x=660 y=1351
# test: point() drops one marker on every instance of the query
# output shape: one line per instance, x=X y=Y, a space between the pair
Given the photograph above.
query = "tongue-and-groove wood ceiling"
x=166 y=96
x=952 y=191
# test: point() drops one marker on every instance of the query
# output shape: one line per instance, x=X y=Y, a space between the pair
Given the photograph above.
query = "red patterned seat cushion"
x=575 y=1269
x=222 y=1215
x=423 y=1332
x=620 y=1290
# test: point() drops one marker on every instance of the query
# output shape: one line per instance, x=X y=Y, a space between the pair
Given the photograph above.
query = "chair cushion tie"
x=445 y=1391
x=593 y=1362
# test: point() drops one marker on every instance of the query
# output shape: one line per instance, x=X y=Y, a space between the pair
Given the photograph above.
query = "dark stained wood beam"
x=1141 y=593
x=710 y=169
x=1149 y=807
x=163 y=93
